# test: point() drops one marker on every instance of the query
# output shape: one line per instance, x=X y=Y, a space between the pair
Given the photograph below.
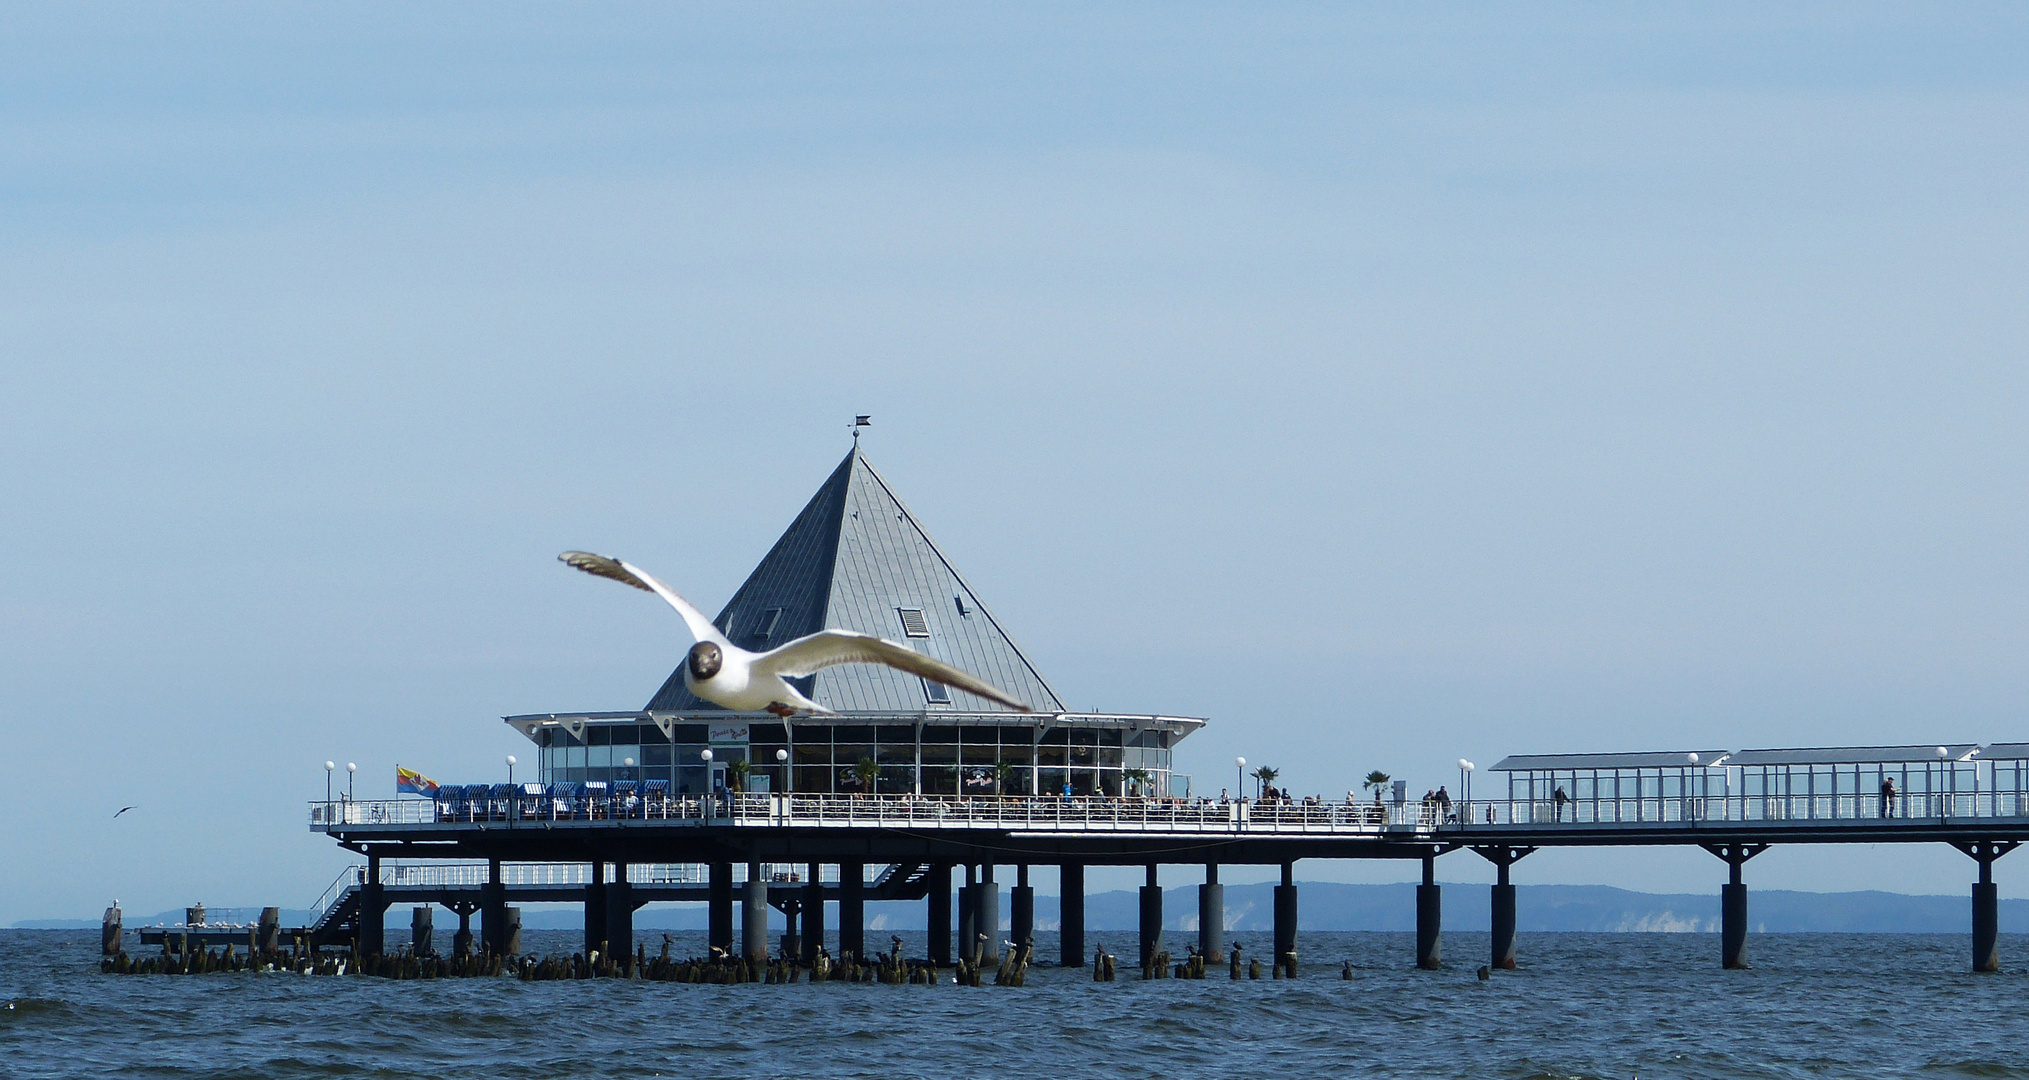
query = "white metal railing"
x=1076 y=813
x=564 y=874
x=1790 y=810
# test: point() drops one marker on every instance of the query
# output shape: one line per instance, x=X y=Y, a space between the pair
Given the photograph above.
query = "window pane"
x=940 y=733
x=599 y=735
x=898 y=779
x=690 y=733
x=941 y=780
x=897 y=733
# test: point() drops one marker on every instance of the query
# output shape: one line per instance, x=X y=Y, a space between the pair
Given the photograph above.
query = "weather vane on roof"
x=859 y=422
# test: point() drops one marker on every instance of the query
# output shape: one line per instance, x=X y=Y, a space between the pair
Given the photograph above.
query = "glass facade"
x=855 y=756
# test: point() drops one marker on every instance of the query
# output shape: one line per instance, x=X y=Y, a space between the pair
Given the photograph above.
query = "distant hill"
x=1333 y=906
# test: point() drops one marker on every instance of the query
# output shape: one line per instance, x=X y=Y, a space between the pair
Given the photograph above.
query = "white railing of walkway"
x=564 y=874
x=1829 y=810
x=1075 y=814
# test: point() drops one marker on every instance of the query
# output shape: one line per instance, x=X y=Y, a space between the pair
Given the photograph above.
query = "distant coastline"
x=1331 y=906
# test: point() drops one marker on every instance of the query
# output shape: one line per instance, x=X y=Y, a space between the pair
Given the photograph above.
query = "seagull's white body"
x=725 y=674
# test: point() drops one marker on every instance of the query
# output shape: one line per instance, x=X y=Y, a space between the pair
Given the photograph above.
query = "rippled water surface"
x=1584 y=1005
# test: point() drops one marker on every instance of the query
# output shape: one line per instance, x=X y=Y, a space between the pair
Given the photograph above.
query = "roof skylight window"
x=764 y=625
x=913 y=623
x=936 y=693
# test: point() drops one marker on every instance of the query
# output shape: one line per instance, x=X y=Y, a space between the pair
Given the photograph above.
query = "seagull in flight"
x=122 y=810
x=725 y=674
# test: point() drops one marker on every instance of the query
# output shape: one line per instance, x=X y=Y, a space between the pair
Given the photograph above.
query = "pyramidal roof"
x=857 y=559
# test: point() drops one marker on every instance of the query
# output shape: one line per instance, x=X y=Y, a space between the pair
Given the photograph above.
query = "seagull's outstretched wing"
x=829 y=648
x=701 y=628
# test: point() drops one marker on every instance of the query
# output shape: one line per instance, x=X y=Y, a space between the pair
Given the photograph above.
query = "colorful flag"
x=414 y=783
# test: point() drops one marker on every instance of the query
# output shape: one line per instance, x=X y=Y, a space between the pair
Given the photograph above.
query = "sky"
x=1387 y=384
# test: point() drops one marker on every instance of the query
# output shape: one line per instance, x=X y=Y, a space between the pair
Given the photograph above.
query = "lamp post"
x=1240 y=778
x=1465 y=786
x=350 y=769
x=788 y=781
x=510 y=770
x=629 y=763
x=328 y=766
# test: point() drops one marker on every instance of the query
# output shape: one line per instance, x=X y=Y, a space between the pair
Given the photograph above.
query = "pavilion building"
x=857 y=559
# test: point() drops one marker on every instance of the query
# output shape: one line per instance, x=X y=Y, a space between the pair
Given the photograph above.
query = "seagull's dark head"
x=705 y=660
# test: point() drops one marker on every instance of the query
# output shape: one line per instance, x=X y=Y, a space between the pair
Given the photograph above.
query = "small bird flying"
x=725 y=674
x=122 y=810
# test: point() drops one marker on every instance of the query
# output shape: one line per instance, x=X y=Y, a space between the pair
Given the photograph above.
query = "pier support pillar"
x=1733 y=903
x=813 y=915
x=1285 y=917
x=422 y=930
x=1986 y=903
x=968 y=925
x=852 y=910
x=110 y=931
x=1151 y=918
x=461 y=942
x=372 y=910
x=1022 y=909
x=986 y=914
x=1212 y=917
x=270 y=928
x=493 y=911
x=719 y=907
x=1503 y=903
x=792 y=936
x=511 y=919
x=1429 y=918
x=595 y=911
x=1071 y=914
x=940 y=914
x=619 y=915
x=754 y=915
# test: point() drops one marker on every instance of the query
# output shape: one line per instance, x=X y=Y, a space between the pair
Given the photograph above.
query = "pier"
x=619 y=845
x=903 y=788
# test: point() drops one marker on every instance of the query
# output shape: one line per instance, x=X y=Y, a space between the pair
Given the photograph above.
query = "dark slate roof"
x=851 y=560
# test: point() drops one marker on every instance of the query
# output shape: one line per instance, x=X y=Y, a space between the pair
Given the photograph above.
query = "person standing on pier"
x=1887 y=796
x=1557 y=801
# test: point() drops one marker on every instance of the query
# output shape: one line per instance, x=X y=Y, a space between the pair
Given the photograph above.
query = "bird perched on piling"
x=725 y=674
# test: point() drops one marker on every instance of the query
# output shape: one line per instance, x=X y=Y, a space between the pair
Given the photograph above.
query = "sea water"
x=1581 y=1005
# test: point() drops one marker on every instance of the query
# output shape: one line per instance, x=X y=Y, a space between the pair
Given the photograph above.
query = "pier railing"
x=470 y=875
x=1831 y=810
x=1026 y=813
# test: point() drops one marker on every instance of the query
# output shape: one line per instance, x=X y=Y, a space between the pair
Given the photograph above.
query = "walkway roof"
x=1815 y=755
x=1853 y=755
x=1652 y=759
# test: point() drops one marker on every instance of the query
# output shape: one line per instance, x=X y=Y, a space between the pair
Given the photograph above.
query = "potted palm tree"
x=1376 y=782
x=867 y=773
x=1137 y=781
x=1002 y=773
x=737 y=772
x=1266 y=776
